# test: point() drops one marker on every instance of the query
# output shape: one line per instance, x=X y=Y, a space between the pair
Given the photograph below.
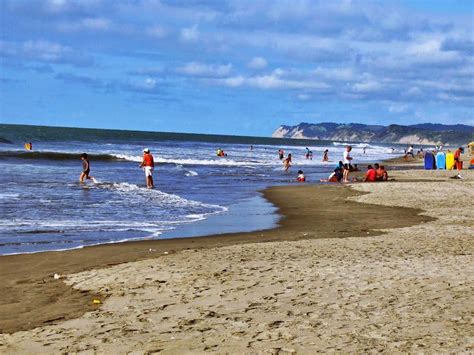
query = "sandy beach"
x=366 y=267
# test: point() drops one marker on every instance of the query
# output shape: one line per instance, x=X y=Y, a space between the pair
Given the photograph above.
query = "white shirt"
x=346 y=157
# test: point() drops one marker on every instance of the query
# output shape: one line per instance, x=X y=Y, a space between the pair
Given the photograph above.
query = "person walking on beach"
x=86 y=168
x=287 y=162
x=148 y=165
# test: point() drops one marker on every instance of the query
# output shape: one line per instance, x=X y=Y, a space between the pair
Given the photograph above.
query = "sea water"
x=44 y=207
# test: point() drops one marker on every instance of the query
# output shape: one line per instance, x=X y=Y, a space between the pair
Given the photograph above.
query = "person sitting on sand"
x=325 y=155
x=301 y=177
x=381 y=173
x=370 y=175
x=287 y=162
x=86 y=168
x=336 y=176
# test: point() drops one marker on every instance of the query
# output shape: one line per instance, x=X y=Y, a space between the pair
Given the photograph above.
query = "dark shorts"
x=86 y=172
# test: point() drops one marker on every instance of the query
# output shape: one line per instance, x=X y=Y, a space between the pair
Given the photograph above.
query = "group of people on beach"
x=147 y=163
x=343 y=169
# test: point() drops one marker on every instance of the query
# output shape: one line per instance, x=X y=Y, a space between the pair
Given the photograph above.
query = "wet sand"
x=349 y=269
x=30 y=297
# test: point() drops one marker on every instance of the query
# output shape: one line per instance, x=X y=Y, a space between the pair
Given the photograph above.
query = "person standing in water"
x=287 y=162
x=148 y=164
x=325 y=155
x=281 y=153
x=86 y=169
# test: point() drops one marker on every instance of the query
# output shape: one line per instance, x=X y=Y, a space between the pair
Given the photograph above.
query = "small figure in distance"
x=281 y=153
x=370 y=175
x=409 y=151
x=381 y=173
x=457 y=161
x=287 y=162
x=363 y=149
x=148 y=164
x=86 y=168
x=326 y=155
x=301 y=177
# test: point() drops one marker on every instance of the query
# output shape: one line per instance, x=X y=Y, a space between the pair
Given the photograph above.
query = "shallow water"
x=44 y=207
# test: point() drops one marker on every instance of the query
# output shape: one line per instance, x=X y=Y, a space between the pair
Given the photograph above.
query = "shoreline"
x=32 y=298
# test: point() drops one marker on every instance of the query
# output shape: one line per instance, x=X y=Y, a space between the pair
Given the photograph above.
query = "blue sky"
x=235 y=67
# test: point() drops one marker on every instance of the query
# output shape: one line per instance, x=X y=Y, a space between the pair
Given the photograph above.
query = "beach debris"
x=166 y=253
x=57 y=276
x=95 y=301
x=152 y=249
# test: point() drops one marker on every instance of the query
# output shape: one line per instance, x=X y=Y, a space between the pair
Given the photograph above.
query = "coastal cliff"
x=429 y=134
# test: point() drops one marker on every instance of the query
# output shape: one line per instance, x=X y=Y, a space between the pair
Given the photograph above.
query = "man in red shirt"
x=148 y=164
x=371 y=174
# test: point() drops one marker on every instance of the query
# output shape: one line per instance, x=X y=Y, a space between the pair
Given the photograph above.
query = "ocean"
x=43 y=206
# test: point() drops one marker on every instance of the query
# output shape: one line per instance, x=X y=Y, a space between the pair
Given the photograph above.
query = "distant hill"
x=426 y=133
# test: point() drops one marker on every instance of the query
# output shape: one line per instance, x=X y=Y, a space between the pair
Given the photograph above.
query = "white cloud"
x=270 y=81
x=157 y=31
x=304 y=97
x=343 y=74
x=45 y=50
x=148 y=84
x=89 y=24
x=257 y=63
x=199 y=69
x=396 y=108
x=367 y=86
x=190 y=34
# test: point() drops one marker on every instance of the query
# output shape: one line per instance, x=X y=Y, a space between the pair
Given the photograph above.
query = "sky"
x=239 y=67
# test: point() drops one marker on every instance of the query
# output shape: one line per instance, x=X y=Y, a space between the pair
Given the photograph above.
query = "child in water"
x=86 y=168
x=287 y=162
x=325 y=155
x=301 y=177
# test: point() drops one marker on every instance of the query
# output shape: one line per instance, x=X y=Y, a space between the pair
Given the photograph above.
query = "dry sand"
x=409 y=289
